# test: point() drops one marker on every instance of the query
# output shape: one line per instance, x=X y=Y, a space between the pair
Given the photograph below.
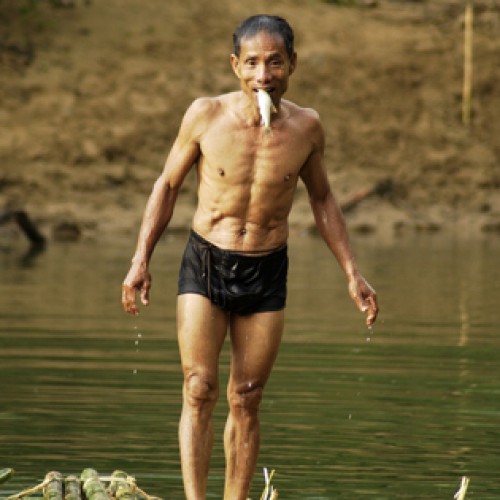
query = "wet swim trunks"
x=236 y=282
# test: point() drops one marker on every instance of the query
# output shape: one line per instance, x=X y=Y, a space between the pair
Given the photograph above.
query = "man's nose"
x=263 y=74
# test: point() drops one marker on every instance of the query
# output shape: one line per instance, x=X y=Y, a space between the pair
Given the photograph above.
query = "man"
x=233 y=273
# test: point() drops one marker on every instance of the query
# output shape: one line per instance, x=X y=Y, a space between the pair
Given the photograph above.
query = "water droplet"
x=370 y=332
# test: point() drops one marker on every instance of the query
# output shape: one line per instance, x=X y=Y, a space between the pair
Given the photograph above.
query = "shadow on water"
x=403 y=415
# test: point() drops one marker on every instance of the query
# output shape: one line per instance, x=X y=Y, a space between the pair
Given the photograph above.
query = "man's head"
x=274 y=25
x=264 y=56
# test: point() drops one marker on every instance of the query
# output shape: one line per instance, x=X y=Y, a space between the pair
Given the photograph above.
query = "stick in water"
x=269 y=492
x=460 y=494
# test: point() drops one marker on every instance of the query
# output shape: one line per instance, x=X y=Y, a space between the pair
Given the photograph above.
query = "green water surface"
x=402 y=412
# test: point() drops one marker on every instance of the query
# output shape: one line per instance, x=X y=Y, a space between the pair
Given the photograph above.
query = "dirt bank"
x=92 y=97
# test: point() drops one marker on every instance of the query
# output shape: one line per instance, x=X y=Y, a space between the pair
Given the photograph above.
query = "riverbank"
x=92 y=97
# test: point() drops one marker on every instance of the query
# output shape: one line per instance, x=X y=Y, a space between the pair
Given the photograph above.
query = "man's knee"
x=246 y=397
x=199 y=391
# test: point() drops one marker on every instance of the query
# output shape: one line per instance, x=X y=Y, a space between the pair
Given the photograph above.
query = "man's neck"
x=249 y=109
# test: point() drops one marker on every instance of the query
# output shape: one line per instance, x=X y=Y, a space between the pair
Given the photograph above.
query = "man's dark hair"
x=274 y=25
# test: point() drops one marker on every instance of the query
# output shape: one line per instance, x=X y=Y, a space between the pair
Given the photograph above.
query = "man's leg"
x=202 y=328
x=255 y=341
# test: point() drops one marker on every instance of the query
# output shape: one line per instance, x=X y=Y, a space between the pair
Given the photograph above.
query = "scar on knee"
x=246 y=396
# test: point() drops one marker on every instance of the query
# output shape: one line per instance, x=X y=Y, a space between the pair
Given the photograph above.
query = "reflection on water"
x=402 y=416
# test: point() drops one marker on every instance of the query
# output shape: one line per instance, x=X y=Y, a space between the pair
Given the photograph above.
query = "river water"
x=402 y=412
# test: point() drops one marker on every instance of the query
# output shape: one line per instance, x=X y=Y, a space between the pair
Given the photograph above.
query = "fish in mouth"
x=266 y=107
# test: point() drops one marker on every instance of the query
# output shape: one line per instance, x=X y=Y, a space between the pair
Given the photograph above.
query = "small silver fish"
x=266 y=107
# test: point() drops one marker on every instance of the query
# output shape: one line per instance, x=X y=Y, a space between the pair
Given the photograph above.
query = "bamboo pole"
x=53 y=489
x=123 y=487
x=92 y=486
x=72 y=488
x=468 y=53
x=118 y=477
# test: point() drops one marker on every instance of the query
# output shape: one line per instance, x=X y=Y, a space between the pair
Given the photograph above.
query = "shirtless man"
x=233 y=273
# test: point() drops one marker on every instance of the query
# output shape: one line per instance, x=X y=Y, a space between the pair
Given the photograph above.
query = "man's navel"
x=216 y=216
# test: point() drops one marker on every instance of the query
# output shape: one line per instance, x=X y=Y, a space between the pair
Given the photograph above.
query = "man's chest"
x=251 y=149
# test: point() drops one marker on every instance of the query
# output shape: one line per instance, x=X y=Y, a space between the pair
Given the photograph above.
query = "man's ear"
x=293 y=63
x=235 y=64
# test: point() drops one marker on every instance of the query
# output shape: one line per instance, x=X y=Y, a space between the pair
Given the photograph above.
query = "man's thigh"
x=255 y=341
x=201 y=330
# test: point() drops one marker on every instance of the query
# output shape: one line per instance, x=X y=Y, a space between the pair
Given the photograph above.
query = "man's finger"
x=128 y=300
x=356 y=297
x=145 y=294
x=372 y=310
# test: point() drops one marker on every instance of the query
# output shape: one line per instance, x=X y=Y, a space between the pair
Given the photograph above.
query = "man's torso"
x=247 y=176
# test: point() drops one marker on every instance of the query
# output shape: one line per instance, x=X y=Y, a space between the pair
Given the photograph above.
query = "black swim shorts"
x=236 y=282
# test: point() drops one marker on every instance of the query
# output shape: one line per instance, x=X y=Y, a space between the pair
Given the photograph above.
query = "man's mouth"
x=269 y=90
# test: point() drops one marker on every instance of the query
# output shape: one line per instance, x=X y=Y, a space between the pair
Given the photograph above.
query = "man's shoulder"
x=210 y=106
x=307 y=120
x=203 y=107
x=301 y=113
x=201 y=113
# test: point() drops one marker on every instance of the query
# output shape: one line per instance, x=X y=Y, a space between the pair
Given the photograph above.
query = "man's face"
x=263 y=64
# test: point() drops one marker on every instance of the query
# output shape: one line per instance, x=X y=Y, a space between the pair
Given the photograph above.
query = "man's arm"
x=160 y=206
x=331 y=225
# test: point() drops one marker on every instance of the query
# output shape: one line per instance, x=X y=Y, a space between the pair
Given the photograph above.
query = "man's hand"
x=365 y=298
x=138 y=279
